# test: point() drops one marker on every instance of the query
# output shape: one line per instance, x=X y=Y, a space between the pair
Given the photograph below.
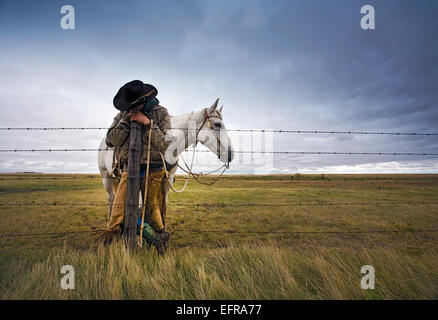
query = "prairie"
x=245 y=237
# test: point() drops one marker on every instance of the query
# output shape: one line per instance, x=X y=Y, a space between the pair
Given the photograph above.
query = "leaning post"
x=133 y=185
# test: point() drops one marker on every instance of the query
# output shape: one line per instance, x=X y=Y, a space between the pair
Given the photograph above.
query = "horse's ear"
x=213 y=106
x=220 y=109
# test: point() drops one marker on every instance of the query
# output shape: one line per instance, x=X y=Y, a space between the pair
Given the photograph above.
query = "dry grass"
x=242 y=265
x=235 y=272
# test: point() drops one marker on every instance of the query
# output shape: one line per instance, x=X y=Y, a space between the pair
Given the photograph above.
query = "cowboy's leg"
x=118 y=212
x=163 y=201
x=153 y=201
x=154 y=209
x=162 y=198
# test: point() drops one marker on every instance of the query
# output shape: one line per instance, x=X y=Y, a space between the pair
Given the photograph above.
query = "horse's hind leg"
x=109 y=186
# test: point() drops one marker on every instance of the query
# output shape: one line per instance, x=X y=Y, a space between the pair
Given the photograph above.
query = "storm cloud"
x=297 y=65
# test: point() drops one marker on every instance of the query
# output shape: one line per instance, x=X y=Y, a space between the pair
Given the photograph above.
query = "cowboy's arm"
x=118 y=132
x=159 y=131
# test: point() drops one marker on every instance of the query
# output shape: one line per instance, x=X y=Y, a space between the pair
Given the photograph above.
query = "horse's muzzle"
x=230 y=155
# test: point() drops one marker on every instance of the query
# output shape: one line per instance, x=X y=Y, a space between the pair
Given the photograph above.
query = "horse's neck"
x=182 y=122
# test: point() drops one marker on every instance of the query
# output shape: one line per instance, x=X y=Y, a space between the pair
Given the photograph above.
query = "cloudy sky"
x=297 y=65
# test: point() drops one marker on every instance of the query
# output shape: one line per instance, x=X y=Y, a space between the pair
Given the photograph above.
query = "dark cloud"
x=275 y=64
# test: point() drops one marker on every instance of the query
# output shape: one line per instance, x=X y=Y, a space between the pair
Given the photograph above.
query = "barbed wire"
x=6 y=177
x=234 y=204
x=295 y=232
x=50 y=128
x=310 y=232
x=236 y=130
x=263 y=178
x=244 y=152
x=44 y=234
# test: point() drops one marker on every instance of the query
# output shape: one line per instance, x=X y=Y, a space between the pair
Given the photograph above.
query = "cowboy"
x=137 y=102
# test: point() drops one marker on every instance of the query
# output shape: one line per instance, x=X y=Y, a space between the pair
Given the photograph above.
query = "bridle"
x=188 y=169
x=207 y=118
x=207 y=121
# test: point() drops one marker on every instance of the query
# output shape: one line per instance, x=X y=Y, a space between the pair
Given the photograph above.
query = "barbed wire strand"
x=233 y=204
x=312 y=232
x=46 y=233
x=234 y=232
x=247 y=152
x=236 y=130
x=263 y=178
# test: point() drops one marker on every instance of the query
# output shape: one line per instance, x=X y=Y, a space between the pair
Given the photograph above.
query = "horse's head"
x=212 y=133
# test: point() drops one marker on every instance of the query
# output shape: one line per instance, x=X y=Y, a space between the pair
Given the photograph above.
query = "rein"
x=196 y=175
x=188 y=168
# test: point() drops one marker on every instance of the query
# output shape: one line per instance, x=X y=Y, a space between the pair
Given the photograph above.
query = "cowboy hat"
x=134 y=93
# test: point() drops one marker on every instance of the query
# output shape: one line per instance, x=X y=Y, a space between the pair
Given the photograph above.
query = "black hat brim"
x=130 y=92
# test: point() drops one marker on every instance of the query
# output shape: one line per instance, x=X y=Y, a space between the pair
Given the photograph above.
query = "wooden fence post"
x=133 y=185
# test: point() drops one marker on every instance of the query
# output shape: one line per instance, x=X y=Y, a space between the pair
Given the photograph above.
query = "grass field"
x=305 y=237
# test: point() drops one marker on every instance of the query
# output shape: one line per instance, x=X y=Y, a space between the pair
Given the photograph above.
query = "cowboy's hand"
x=139 y=117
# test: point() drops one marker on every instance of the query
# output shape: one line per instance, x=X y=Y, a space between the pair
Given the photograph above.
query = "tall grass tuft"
x=257 y=271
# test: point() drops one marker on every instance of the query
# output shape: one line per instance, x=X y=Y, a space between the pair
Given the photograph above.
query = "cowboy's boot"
x=161 y=245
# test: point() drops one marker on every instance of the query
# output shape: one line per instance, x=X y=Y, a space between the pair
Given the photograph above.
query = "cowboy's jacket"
x=118 y=135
